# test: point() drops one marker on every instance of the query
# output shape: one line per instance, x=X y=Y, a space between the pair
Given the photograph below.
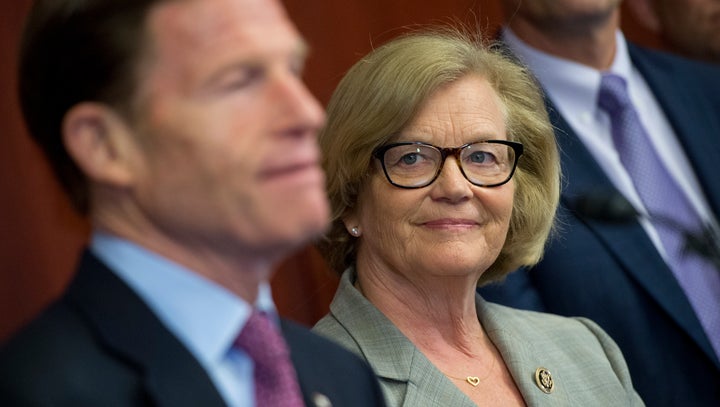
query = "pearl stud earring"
x=355 y=231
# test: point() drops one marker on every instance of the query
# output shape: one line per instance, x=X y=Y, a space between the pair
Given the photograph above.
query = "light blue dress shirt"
x=574 y=87
x=203 y=315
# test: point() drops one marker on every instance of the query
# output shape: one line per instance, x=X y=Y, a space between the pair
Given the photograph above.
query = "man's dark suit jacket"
x=100 y=345
x=611 y=272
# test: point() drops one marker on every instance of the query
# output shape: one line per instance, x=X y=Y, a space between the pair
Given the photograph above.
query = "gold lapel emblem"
x=544 y=380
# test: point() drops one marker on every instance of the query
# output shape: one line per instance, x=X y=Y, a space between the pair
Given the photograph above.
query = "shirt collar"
x=205 y=316
x=565 y=81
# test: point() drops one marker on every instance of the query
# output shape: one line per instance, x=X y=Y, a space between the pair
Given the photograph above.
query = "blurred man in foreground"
x=182 y=128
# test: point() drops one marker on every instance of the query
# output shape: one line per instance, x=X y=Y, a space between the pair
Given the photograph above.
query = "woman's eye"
x=409 y=159
x=481 y=157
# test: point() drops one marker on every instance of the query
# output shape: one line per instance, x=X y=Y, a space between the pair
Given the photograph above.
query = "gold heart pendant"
x=473 y=380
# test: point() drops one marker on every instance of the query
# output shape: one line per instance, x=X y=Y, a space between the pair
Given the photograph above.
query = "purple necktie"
x=275 y=379
x=664 y=200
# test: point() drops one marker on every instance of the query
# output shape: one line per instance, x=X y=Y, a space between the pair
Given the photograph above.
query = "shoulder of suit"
x=60 y=353
x=56 y=334
x=706 y=70
x=542 y=321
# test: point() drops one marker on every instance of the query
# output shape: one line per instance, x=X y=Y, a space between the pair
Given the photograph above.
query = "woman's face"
x=450 y=227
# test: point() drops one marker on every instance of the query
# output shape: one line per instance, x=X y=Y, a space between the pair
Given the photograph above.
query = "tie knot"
x=613 y=96
x=260 y=338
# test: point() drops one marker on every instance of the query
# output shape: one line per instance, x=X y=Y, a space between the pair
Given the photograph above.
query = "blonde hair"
x=383 y=91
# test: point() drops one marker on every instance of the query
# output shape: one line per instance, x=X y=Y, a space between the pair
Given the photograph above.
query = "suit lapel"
x=693 y=117
x=585 y=367
x=305 y=354
x=127 y=327
x=628 y=242
x=393 y=358
x=305 y=373
x=696 y=123
x=521 y=357
x=428 y=386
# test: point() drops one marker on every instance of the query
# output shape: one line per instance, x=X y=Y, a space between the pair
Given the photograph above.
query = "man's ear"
x=100 y=142
x=644 y=13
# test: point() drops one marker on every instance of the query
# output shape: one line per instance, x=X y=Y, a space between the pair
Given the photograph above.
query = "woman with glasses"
x=443 y=174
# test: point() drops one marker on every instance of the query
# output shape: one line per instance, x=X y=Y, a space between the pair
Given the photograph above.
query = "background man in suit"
x=621 y=274
x=183 y=129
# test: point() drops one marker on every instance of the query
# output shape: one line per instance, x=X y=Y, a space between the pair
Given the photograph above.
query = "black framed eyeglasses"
x=414 y=164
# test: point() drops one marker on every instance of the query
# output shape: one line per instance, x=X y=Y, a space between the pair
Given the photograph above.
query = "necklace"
x=473 y=380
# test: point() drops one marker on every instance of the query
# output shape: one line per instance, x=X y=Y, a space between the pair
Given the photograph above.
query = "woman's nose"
x=451 y=184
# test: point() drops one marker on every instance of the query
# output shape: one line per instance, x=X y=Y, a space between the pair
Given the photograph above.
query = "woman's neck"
x=436 y=312
x=438 y=315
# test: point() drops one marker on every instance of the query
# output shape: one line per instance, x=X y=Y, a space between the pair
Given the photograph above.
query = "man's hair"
x=383 y=92
x=74 y=51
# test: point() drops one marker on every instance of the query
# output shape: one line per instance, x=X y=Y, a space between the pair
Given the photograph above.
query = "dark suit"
x=612 y=273
x=100 y=345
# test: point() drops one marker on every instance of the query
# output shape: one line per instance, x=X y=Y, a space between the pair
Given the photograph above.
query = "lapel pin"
x=321 y=400
x=544 y=380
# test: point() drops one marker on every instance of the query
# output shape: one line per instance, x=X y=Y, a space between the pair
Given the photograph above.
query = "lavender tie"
x=275 y=379
x=664 y=200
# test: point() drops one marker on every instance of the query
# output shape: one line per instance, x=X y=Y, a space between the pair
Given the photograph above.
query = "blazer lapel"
x=428 y=386
x=521 y=358
x=393 y=358
x=628 y=242
x=172 y=376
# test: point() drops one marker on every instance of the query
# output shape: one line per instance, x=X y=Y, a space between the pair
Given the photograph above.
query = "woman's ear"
x=644 y=13
x=100 y=143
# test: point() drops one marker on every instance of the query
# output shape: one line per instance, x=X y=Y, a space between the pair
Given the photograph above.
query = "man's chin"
x=314 y=225
x=285 y=245
x=304 y=228
x=310 y=209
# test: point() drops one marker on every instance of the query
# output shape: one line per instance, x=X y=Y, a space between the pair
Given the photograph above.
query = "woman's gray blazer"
x=586 y=366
